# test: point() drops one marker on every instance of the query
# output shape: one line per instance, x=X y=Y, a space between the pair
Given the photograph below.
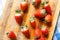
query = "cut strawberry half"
x=12 y=35
x=40 y=13
x=18 y=16
x=36 y=2
x=48 y=9
x=48 y=18
x=23 y=6
x=41 y=38
x=25 y=31
x=44 y=30
x=37 y=33
x=32 y=22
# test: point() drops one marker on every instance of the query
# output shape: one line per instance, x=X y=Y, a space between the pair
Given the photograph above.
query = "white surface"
x=2 y=4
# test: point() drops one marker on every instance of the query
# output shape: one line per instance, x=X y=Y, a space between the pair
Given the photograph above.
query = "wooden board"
x=12 y=25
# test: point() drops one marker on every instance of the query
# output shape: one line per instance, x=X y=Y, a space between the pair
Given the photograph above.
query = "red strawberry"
x=32 y=22
x=12 y=35
x=25 y=31
x=41 y=38
x=48 y=18
x=37 y=33
x=23 y=6
x=40 y=13
x=18 y=16
x=48 y=8
x=44 y=30
x=36 y=2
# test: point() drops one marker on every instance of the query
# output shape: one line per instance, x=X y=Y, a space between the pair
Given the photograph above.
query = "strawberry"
x=40 y=13
x=32 y=22
x=36 y=2
x=48 y=8
x=41 y=38
x=23 y=6
x=48 y=18
x=25 y=31
x=12 y=35
x=44 y=30
x=18 y=16
x=37 y=33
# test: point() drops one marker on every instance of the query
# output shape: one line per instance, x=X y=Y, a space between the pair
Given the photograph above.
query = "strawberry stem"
x=34 y=3
x=24 y=0
x=44 y=12
x=26 y=26
x=47 y=2
x=36 y=37
x=42 y=4
x=18 y=11
x=22 y=26
x=46 y=21
x=7 y=33
x=32 y=18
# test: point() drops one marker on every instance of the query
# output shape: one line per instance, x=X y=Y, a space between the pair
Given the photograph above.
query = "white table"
x=2 y=4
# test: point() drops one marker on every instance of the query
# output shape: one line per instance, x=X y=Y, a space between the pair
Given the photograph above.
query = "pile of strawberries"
x=44 y=15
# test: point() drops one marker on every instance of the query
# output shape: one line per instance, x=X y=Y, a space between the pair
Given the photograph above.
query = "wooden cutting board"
x=12 y=25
